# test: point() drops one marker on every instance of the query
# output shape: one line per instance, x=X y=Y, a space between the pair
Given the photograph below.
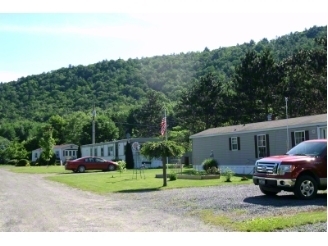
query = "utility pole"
x=93 y=129
x=167 y=158
x=286 y=100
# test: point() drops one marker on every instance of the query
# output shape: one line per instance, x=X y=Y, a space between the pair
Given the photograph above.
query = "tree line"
x=236 y=85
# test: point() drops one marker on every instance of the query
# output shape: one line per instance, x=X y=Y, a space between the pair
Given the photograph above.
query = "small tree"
x=79 y=154
x=129 y=156
x=162 y=150
x=47 y=143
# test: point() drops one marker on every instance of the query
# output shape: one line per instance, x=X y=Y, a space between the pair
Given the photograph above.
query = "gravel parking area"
x=32 y=204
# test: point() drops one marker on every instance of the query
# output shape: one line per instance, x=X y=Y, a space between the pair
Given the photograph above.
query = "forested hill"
x=120 y=85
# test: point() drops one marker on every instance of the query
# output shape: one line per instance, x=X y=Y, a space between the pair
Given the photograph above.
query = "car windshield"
x=308 y=149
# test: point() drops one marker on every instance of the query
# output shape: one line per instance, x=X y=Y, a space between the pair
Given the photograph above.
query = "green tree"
x=145 y=119
x=59 y=126
x=162 y=149
x=47 y=143
x=14 y=150
x=129 y=156
x=79 y=154
x=201 y=106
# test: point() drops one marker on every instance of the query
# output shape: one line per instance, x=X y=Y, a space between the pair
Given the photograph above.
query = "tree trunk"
x=164 y=171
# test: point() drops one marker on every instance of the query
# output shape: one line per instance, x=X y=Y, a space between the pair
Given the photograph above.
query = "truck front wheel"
x=306 y=187
x=268 y=191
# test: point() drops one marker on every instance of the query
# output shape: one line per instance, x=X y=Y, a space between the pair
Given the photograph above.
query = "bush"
x=22 y=163
x=172 y=166
x=228 y=173
x=12 y=162
x=121 y=166
x=209 y=163
x=172 y=176
x=42 y=162
x=213 y=170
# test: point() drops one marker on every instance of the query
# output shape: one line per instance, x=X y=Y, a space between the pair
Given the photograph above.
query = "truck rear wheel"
x=268 y=191
x=306 y=187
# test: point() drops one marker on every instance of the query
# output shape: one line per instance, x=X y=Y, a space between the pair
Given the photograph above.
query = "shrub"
x=172 y=176
x=121 y=166
x=213 y=170
x=12 y=162
x=42 y=162
x=172 y=166
x=209 y=163
x=228 y=173
x=22 y=163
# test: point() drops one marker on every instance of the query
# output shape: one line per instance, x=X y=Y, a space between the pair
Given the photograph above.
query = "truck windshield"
x=308 y=148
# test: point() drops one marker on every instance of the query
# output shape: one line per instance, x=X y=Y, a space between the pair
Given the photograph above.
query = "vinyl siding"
x=246 y=155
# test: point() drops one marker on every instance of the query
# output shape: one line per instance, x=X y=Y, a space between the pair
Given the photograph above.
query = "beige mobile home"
x=239 y=146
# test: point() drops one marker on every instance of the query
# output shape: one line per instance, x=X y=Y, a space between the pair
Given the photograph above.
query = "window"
x=110 y=150
x=36 y=155
x=57 y=154
x=70 y=153
x=234 y=143
x=299 y=136
x=95 y=151
x=101 y=151
x=262 y=147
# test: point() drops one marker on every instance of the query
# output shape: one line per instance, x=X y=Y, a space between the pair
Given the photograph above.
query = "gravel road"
x=29 y=203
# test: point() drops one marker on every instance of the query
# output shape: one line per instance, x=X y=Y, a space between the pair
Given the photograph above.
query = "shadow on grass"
x=139 y=190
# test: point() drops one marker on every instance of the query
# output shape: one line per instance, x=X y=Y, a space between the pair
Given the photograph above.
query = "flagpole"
x=167 y=159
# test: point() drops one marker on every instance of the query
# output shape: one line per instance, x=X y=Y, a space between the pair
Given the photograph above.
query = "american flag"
x=163 y=126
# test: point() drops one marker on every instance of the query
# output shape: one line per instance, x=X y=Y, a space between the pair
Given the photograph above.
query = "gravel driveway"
x=29 y=203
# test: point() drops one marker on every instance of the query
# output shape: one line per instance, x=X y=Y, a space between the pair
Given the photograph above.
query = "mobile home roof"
x=319 y=119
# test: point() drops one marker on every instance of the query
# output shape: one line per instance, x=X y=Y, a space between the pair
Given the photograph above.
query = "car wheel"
x=81 y=169
x=268 y=191
x=306 y=187
x=111 y=167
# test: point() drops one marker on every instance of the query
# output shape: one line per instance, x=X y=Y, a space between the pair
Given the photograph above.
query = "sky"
x=55 y=34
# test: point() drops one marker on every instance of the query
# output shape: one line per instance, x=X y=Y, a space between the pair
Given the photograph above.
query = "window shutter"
x=238 y=141
x=293 y=139
x=229 y=143
x=255 y=142
x=267 y=144
x=307 y=137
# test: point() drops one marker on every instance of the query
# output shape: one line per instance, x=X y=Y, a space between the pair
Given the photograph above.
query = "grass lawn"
x=266 y=224
x=128 y=181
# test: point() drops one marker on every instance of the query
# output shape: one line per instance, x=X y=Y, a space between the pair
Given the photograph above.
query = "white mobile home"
x=62 y=152
x=115 y=150
x=239 y=146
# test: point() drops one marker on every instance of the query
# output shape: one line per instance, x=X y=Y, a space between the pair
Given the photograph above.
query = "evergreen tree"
x=129 y=156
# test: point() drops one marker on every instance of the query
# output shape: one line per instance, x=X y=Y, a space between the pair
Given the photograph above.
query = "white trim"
x=236 y=138
x=295 y=136
x=257 y=145
x=291 y=127
x=319 y=128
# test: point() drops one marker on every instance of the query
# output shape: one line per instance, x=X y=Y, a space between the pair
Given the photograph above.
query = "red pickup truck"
x=302 y=170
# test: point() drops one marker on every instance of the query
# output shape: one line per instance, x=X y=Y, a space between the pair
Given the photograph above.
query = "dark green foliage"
x=209 y=163
x=42 y=161
x=172 y=176
x=129 y=156
x=22 y=163
x=79 y=154
x=218 y=87
x=12 y=162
